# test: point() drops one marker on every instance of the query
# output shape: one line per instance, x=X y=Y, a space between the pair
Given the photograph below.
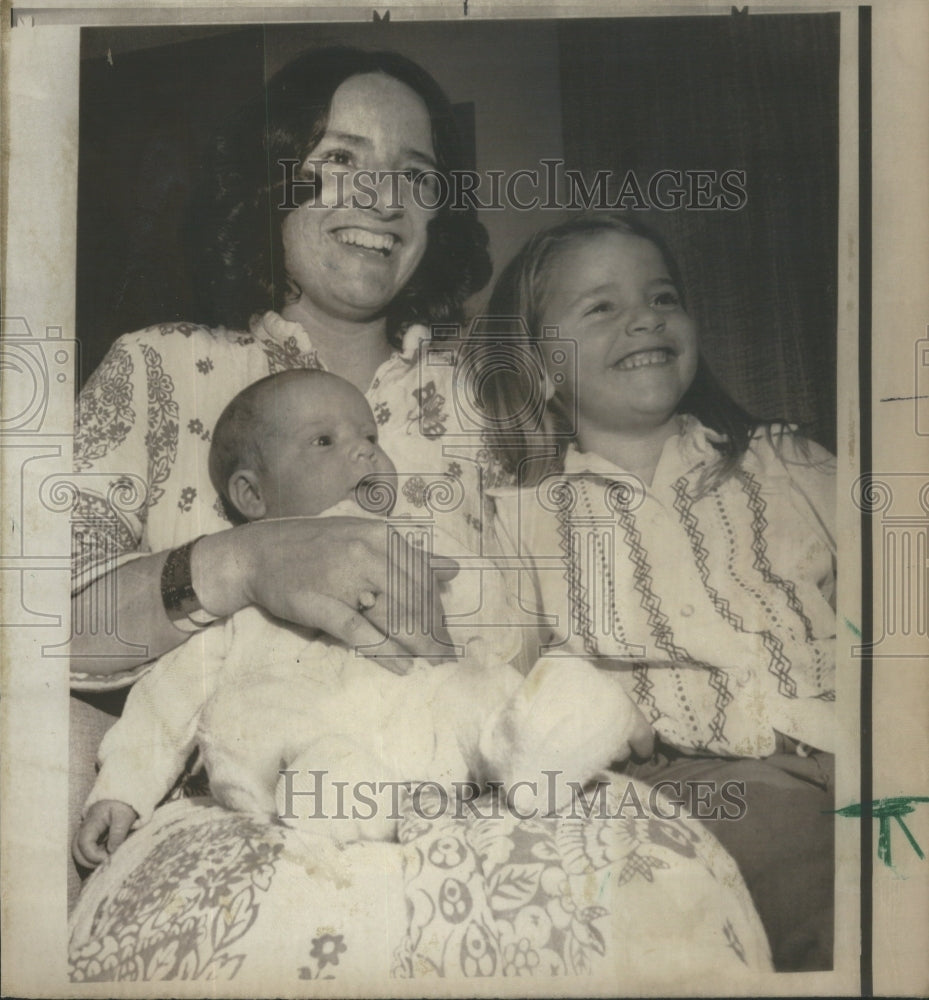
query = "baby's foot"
x=566 y=722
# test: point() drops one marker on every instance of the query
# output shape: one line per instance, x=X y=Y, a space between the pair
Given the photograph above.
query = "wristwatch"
x=180 y=600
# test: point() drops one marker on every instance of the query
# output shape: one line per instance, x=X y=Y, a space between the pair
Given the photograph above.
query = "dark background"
x=740 y=92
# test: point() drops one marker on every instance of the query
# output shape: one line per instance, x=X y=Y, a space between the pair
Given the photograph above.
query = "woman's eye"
x=423 y=179
x=338 y=157
x=323 y=441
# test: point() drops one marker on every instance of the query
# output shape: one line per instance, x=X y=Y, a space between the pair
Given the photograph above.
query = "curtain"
x=748 y=93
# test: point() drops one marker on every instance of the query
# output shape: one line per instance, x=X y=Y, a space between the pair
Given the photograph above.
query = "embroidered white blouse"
x=145 y=417
x=715 y=610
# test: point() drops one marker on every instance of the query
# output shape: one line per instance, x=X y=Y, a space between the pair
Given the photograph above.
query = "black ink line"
x=867 y=585
x=902 y=399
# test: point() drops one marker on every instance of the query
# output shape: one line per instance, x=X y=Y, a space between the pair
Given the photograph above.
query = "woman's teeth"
x=383 y=242
x=641 y=359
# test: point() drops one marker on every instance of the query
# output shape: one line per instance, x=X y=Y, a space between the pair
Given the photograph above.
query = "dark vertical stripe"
x=864 y=391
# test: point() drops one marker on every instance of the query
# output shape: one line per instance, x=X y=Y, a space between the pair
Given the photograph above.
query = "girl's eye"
x=323 y=441
x=669 y=298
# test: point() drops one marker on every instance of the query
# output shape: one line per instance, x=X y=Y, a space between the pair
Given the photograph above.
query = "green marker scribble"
x=853 y=628
x=884 y=810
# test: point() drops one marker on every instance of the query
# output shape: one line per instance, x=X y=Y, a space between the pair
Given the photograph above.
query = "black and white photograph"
x=464 y=537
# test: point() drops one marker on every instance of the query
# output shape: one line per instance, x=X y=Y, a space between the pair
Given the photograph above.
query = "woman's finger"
x=357 y=633
x=408 y=606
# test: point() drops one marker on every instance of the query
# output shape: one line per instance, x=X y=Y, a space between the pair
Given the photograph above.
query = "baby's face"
x=320 y=440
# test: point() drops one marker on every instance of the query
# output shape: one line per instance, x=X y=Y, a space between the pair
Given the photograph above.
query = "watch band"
x=181 y=604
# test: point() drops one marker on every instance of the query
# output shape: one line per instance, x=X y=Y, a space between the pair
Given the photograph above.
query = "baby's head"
x=293 y=444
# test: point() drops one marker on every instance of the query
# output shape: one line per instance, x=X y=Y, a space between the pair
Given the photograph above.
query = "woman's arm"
x=309 y=571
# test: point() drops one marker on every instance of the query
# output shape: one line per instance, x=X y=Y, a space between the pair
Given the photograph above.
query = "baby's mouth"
x=644 y=359
x=382 y=243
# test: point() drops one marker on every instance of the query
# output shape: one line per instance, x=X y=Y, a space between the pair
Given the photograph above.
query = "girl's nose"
x=644 y=319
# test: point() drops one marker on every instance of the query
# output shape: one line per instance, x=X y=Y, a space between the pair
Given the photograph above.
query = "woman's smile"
x=364 y=239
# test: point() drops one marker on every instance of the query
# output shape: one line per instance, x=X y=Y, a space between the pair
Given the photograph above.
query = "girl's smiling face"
x=612 y=294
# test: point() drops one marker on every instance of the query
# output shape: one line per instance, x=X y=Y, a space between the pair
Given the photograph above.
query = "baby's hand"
x=103 y=829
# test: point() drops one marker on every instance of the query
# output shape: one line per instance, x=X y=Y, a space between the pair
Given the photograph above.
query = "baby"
x=267 y=702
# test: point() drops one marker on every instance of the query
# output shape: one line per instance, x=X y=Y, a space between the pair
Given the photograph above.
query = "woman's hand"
x=354 y=578
x=346 y=576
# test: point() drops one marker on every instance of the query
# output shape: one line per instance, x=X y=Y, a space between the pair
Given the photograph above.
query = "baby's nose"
x=362 y=448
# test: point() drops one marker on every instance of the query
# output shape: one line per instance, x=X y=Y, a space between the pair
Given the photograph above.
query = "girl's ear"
x=548 y=386
x=246 y=494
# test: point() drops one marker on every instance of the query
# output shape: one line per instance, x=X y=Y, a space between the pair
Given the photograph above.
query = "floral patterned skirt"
x=205 y=894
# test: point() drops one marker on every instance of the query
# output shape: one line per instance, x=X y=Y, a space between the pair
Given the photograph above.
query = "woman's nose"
x=644 y=319
x=390 y=193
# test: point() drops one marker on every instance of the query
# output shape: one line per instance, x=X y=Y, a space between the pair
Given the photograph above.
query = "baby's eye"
x=599 y=307
x=372 y=438
x=322 y=441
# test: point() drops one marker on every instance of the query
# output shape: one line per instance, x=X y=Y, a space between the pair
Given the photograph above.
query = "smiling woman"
x=305 y=291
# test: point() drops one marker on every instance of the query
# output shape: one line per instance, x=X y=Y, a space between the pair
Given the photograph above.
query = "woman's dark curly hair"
x=239 y=259
x=517 y=305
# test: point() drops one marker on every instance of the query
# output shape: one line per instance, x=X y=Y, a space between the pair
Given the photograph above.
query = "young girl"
x=660 y=520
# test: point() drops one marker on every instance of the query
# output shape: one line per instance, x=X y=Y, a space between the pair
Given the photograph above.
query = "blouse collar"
x=281 y=330
x=682 y=452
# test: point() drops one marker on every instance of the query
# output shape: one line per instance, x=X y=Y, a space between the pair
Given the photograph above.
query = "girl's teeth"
x=643 y=358
x=362 y=238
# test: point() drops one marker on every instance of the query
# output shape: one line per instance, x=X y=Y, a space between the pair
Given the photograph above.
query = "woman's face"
x=356 y=245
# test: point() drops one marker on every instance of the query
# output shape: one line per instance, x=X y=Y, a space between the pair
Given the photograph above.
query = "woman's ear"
x=246 y=494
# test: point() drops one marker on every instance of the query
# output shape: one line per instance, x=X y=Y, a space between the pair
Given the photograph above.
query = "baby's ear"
x=246 y=494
